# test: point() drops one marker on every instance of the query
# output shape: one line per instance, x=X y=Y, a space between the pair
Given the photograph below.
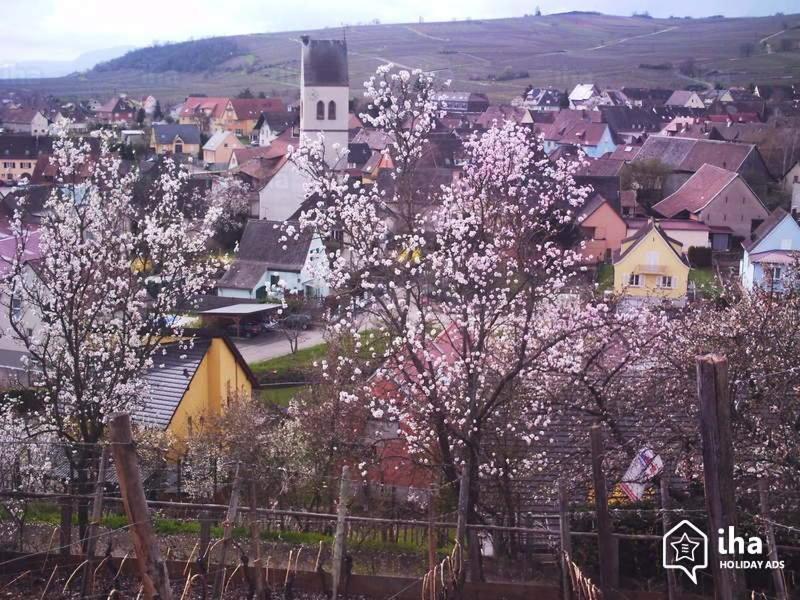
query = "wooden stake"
x=152 y=568
x=230 y=521
x=94 y=521
x=566 y=541
x=772 y=550
x=666 y=523
x=255 y=542
x=605 y=535
x=431 y=529
x=65 y=537
x=341 y=528
x=715 y=429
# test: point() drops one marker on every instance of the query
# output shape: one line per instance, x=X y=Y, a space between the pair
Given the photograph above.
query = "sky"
x=61 y=30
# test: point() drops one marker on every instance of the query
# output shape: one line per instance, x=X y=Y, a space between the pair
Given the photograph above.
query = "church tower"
x=324 y=94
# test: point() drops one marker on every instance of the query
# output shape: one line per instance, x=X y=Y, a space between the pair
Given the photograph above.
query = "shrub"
x=700 y=257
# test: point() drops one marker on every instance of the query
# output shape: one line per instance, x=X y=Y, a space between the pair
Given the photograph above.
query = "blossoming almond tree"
x=465 y=285
x=89 y=312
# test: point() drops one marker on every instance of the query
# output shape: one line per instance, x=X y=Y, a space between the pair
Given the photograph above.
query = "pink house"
x=603 y=229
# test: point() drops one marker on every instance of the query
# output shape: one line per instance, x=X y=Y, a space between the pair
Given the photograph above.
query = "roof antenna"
x=344 y=32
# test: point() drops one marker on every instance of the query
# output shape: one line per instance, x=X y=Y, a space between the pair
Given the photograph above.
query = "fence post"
x=94 y=521
x=605 y=535
x=666 y=523
x=566 y=542
x=65 y=533
x=255 y=542
x=341 y=527
x=152 y=568
x=772 y=549
x=431 y=529
x=715 y=429
x=205 y=531
x=230 y=521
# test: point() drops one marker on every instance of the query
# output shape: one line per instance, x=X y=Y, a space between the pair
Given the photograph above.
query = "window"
x=16 y=306
x=320 y=110
x=665 y=281
x=178 y=148
x=274 y=280
x=797 y=178
x=331 y=110
x=633 y=280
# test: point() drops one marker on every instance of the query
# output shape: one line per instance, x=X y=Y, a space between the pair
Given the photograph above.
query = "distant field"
x=558 y=50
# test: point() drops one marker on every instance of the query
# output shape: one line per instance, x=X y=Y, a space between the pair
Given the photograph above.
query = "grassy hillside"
x=558 y=50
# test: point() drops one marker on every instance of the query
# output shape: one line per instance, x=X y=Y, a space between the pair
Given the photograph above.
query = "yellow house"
x=651 y=266
x=187 y=385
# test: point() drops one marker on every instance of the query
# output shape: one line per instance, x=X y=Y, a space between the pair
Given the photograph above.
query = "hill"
x=558 y=50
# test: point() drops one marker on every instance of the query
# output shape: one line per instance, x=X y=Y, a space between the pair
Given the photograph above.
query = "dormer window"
x=331 y=110
x=320 y=110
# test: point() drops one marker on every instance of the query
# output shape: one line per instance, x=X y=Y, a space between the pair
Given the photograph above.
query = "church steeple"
x=324 y=94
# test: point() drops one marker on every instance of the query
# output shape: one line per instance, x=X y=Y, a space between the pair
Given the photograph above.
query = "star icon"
x=684 y=548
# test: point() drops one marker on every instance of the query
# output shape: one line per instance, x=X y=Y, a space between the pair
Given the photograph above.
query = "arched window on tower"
x=331 y=110
x=320 y=110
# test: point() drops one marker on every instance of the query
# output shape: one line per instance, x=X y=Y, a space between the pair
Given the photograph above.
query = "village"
x=439 y=346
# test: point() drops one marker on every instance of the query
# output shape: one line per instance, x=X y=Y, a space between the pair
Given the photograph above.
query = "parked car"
x=296 y=321
x=246 y=330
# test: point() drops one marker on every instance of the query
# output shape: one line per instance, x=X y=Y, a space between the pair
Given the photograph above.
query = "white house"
x=685 y=99
x=271 y=261
x=771 y=254
x=583 y=95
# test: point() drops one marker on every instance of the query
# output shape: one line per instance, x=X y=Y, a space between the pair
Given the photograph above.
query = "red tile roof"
x=700 y=189
x=251 y=108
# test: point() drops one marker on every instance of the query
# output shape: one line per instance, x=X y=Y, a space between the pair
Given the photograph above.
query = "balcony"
x=650 y=269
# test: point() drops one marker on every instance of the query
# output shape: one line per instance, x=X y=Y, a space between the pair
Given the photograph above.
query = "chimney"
x=304 y=39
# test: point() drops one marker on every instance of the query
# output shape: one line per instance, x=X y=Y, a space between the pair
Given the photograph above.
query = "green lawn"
x=302 y=359
x=706 y=280
x=605 y=277
x=279 y=396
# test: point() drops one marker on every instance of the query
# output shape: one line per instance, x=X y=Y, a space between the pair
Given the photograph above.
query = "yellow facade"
x=219 y=377
x=651 y=266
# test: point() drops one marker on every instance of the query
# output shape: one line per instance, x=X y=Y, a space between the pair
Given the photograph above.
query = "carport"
x=235 y=313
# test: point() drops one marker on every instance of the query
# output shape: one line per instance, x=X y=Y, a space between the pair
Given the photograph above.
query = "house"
x=120 y=110
x=650 y=266
x=691 y=234
x=684 y=156
x=175 y=139
x=594 y=138
x=25 y=120
x=241 y=115
x=646 y=97
x=499 y=115
x=771 y=254
x=192 y=381
x=547 y=99
x=461 y=102
x=148 y=104
x=205 y=112
x=271 y=124
x=791 y=179
x=217 y=150
x=19 y=154
x=272 y=261
x=583 y=96
x=630 y=125
x=685 y=99
x=717 y=197
x=602 y=228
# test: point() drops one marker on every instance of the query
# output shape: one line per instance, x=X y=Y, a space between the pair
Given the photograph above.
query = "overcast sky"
x=63 y=29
